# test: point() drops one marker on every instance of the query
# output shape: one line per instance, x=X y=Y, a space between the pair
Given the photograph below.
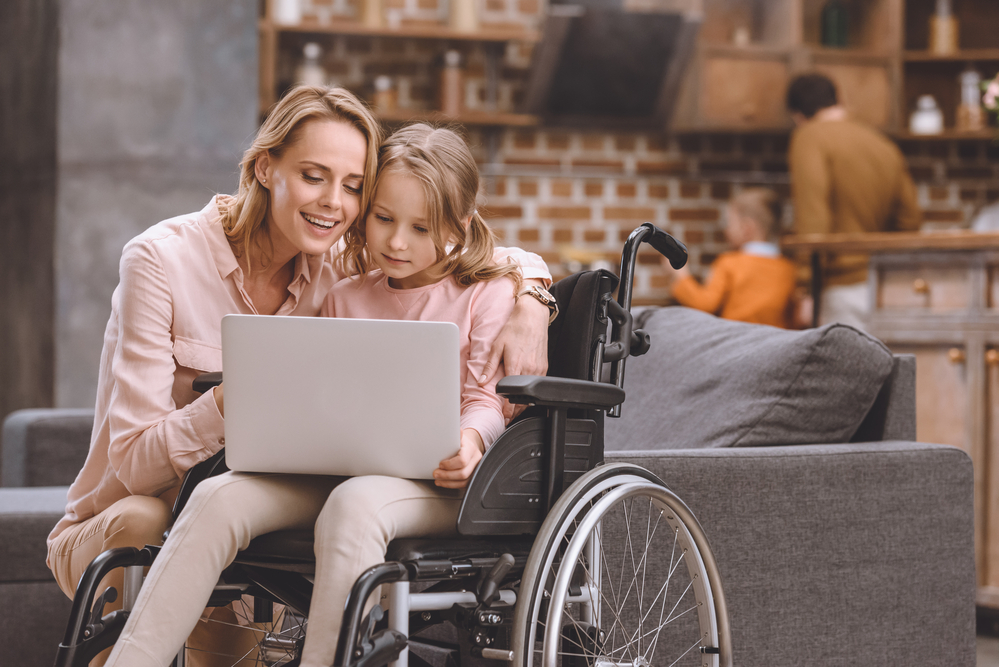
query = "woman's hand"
x=522 y=344
x=455 y=472
x=217 y=393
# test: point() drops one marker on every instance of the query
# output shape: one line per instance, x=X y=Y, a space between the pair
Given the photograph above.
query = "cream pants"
x=354 y=521
x=846 y=304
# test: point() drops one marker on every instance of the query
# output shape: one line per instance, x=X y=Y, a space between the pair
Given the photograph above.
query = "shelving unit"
x=280 y=46
x=880 y=74
x=477 y=118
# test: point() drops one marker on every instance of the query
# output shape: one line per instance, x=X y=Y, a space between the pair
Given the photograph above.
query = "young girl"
x=753 y=282
x=423 y=253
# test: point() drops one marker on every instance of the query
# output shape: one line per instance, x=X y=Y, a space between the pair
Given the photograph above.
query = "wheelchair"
x=561 y=560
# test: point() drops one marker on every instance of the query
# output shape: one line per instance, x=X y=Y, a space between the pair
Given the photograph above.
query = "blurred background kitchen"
x=588 y=119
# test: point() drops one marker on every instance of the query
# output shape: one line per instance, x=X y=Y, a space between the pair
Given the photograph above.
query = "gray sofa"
x=840 y=540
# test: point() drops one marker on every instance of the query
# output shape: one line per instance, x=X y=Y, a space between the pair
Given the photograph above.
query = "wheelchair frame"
x=536 y=502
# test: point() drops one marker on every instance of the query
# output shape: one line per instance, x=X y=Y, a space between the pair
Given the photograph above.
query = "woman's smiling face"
x=315 y=188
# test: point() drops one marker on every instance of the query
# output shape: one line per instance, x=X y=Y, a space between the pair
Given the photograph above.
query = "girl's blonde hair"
x=763 y=206
x=442 y=162
x=244 y=215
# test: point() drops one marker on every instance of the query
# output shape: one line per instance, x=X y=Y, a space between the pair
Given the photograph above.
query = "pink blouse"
x=480 y=311
x=177 y=280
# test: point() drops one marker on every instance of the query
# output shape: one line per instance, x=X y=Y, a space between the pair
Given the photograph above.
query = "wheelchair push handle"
x=665 y=244
x=625 y=340
x=668 y=247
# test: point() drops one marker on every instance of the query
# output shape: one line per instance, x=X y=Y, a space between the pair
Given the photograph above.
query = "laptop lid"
x=335 y=396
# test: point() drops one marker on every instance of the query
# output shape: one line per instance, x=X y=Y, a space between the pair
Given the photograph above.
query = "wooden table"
x=936 y=295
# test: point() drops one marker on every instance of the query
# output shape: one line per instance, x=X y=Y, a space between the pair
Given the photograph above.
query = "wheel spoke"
x=640 y=608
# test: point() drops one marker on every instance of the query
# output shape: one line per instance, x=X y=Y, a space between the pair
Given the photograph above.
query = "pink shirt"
x=177 y=280
x=480 y=311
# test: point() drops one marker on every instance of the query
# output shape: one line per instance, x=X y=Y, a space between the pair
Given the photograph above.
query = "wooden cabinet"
x=880 y=74
x=934 y=295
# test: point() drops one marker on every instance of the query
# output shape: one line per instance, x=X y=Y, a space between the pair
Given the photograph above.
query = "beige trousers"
x=354 y=521
x=131 y=522
x=135 y=522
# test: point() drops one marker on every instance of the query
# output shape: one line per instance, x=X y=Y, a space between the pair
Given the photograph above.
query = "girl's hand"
x=455 y=472
x=522 y=344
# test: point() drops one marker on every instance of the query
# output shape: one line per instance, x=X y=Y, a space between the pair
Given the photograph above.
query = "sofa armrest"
x=836 y=554
x=44 y=446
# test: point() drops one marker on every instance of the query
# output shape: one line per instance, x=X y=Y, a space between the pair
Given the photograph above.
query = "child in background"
x=753 y=283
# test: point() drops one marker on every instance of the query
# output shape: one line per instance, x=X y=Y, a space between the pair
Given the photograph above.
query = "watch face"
x=541 y=291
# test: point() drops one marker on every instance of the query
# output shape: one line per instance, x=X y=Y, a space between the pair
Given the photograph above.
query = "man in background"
x=845 y=177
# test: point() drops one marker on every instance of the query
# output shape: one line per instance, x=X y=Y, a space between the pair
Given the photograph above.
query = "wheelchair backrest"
x=581 y=326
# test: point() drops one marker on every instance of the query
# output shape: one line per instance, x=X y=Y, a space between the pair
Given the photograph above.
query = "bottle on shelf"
x=463 y=15
x=452 y=87
x=371 y=13
x=943 y=29
x=286 y=12
x=311 y=71
x=927 y=118
x=970 y=114
x=741 y=36
x=386 y=97
x=835 y=24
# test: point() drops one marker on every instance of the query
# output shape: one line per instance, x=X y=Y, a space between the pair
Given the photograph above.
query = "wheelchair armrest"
x=206 y=381
x=560 y=392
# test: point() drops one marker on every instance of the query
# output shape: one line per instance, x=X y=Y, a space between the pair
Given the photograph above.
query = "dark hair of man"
x=810 y=93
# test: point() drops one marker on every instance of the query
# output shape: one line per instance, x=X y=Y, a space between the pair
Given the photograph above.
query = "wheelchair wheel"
x=620 y=576
x=240 y=642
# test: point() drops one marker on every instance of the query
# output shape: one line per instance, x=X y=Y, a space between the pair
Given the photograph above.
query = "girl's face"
x=315 y=188
x=397 y=234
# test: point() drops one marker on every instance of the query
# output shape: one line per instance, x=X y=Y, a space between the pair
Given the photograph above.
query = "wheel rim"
x=238 y=641
x=629 y=606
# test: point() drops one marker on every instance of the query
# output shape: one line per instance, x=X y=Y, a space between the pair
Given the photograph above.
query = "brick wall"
x=575 y=196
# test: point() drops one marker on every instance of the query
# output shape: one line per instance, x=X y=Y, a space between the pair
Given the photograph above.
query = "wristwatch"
x=545 y=297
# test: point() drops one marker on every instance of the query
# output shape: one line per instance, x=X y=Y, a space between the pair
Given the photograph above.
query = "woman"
x=265 y=250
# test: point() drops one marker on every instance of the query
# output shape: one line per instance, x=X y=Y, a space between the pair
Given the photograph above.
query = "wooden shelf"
x=477 y=118
x=958 y=56
x=892 y=241
x=755 y=130
x=416 y=31
x=848 y=55
x=753 y=51
x=948 y=135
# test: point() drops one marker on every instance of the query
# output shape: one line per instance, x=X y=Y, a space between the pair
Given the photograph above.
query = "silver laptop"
x=331 y=396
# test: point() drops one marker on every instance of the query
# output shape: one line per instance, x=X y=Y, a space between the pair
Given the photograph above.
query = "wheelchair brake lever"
x=377 y=649
x=109 y=595
x=488 y=589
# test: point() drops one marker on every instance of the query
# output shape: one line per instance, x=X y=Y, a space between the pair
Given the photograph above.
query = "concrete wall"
x=28 y=49
x=157 y=101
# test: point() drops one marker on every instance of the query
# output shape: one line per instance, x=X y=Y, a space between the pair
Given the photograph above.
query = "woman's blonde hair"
x=442 y=162
x=244 y=214
x=763 y=206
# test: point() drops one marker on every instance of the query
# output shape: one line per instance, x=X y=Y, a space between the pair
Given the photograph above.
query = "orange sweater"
x=743 y=287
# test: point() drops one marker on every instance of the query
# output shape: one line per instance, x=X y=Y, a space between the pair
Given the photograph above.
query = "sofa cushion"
x=44 y=446
x=27 y=516
x=708 y=382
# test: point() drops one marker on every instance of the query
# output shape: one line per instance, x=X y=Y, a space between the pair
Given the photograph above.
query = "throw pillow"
x=709 y=382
